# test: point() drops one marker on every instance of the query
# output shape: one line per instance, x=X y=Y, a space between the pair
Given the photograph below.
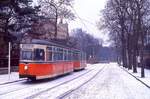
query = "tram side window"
x=80 y=55
x=39 y=54
x=26 y=55
x=76 y=56
x=60 y=54
x=49 y=54
x=65 y=55
x=72 y=57
x=55 y=56
x=69 y=55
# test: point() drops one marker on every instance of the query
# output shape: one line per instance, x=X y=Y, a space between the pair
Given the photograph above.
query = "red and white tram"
x=41 y=59
x=79 y=61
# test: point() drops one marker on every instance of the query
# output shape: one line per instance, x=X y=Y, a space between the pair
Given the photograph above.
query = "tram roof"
x=45 y=42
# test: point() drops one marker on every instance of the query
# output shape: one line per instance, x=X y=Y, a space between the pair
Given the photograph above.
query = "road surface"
x=112 y=83
x=98 y=81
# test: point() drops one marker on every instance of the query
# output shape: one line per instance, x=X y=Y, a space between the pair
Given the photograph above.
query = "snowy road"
x=112 y=83
x=29 y=90
x=99 y=81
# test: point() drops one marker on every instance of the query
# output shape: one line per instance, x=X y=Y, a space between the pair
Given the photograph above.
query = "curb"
x=148 y=86
x=12 y=82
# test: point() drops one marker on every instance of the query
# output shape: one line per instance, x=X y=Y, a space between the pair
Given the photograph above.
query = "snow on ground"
x=146 y=80
x=5 y=78
x=24 y=89
x=59 y=91
x=112 y=83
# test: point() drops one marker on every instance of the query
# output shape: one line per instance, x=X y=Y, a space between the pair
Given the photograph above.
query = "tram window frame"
x=55 y=53
x=65 y=54
x=72 y=55
x=58 y=53
x=79 y=55
x=69 y=55
x=76 y=56
x=37 y=54
x=81 y=58
x=49 y=53
x=31 y=56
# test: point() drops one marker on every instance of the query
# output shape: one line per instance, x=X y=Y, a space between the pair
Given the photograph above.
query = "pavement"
x=8 y=78
x=145 y=80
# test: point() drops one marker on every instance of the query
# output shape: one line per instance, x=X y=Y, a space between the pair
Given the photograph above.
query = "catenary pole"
x=9 y=56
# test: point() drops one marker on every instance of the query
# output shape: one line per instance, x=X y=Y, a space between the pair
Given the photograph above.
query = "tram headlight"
x=25 y=67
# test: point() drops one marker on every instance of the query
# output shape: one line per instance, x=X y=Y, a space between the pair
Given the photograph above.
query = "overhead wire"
x=81 y=19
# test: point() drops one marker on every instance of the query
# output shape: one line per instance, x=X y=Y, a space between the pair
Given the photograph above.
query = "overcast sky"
x=89 y=12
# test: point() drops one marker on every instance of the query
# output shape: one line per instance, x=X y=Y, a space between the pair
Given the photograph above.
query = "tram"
x=41 y=59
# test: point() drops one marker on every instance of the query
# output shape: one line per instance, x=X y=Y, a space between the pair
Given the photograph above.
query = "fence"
x=4 y=65
x=4 y=62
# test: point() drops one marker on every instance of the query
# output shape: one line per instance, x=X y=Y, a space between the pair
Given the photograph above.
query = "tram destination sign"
x=26 y=46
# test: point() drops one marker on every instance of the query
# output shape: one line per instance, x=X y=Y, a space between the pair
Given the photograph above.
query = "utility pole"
x=9 y=59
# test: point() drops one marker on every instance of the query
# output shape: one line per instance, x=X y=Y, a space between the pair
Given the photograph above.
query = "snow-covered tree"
x=16 y=17
x=56 y=9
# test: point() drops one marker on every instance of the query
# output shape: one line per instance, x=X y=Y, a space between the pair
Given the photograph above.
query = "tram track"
x=69 y=91
x=19 y=89
x=10 y=85
x=33 y=96
x=72 y=90
x=12 y=82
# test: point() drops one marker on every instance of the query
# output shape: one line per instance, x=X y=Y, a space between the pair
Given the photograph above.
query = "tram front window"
x=26 y=55
x=39 y=54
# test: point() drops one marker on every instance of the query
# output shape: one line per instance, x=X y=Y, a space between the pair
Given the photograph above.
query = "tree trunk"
x=140 y=35
x=124 y=57
x=130 y=59
x=142 y=52
x=129 y=52
x=135 y=56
